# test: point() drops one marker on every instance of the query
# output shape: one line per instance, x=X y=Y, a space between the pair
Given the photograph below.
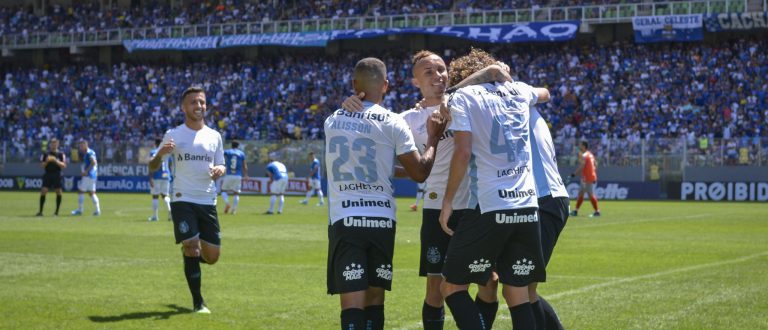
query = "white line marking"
x=629 y=222
x=590 y=288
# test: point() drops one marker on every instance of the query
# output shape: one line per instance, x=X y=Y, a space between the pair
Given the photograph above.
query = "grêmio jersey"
x=438 y=178
x=196 y=152
x=360 y=151
x=497 y=115
x=233 y=161
x=545 y=172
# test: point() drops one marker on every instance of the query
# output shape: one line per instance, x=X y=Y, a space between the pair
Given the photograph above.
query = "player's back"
x=233 y=161
x=544 y=160
x=498 y=116
x=278 y=170
x=360 y=151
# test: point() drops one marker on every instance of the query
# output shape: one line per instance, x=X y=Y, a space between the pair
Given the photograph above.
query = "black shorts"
x=434 y=241
x=52 y=180
x=553 y=213
x=505 y=240
x=360 y=255
x=191 y=220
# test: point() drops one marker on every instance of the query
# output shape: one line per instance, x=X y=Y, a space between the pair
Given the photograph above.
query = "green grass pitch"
x=643 y=265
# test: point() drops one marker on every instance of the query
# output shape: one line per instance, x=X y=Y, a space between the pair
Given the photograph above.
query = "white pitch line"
x=603 y=224
x=589 y=288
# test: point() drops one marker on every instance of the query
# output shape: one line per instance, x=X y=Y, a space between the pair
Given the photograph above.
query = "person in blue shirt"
x=236 y=170
x=313 y=184
x=159 y=183
x=89 y=170
x=278 y=181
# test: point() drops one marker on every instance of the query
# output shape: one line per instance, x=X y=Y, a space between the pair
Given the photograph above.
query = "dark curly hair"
x=466 y=65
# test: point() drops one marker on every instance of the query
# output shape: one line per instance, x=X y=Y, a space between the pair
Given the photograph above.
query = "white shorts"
x=87 y=184
x=232 y=183
x=277 y=187
x=159 y=187
x=314 y=184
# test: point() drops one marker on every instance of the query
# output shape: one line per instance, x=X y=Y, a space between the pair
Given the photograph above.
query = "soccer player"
x=237 y=168
x=430 y=75
x=87 y=184
x=313 y=184
x=553 y=207
x=198 y=154
x=278 y=181
x=491 y=127
x=360 y=152
x=53 y=161
x=159 y=184
x=420 y=188
x=588 y=169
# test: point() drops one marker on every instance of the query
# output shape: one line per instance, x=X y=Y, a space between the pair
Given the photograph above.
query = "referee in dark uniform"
x=53 y=162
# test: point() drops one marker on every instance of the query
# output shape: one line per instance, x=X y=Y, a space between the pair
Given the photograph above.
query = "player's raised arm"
x=418 y=166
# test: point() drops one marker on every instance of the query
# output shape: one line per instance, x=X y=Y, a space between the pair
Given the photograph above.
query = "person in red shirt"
x=588 y=169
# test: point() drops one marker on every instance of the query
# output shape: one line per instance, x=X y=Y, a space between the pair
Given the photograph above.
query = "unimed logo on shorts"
x=384 y=272
x=353 y=272
x=479 y=266
x=523 y=267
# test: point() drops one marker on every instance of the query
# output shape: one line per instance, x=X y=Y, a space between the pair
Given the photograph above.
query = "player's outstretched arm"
x=418 y=166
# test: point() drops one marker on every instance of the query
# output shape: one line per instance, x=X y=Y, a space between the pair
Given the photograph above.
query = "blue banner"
x=196 y=43
x=504 y=33
x=668 y=28
x=737 y=21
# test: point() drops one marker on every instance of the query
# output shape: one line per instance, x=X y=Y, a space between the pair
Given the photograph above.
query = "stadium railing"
x=673 y=153
x=618 y=13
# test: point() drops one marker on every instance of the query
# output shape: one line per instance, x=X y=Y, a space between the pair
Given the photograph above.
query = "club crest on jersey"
x=433 y=255
x=384 y=272
x=183 y=227
x=433 y=195
x=353 y=272
x=479 y=266
x=523 y=267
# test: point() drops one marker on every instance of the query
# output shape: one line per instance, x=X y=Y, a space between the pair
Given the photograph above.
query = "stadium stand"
x=91 y=16
x=624 y=91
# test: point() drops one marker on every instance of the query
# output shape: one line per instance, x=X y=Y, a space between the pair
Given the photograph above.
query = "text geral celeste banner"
x=502 y=33
x=668 y=28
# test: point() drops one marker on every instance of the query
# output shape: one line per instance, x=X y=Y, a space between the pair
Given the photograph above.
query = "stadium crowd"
x=621 y=92
x=91 y=16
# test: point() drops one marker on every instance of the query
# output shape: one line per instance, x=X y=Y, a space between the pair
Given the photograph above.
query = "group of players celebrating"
x=494 y=204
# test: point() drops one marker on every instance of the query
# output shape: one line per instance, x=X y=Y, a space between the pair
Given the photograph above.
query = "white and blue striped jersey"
x=497 y=115
x=360 y=151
